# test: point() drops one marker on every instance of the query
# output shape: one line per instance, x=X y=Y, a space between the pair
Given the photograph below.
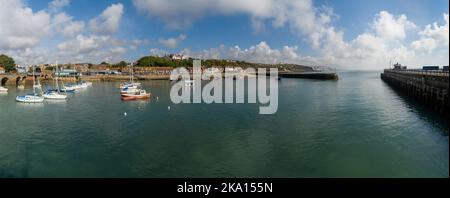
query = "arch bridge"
x=12 y=79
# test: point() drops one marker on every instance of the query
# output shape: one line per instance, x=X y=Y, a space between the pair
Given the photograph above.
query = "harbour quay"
x=428 y=85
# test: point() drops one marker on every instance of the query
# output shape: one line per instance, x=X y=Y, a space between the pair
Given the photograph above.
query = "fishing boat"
x=140 y=94
x=31 y=98
x=55 y=94
x=3 y=89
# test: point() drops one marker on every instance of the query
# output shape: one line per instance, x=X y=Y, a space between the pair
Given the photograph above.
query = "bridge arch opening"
x=4 y=80
x=18 y=80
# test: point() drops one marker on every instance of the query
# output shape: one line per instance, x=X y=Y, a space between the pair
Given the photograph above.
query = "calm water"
x=355 y=127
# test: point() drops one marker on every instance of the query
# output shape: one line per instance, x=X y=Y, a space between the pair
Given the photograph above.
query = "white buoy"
x=125 y=113
x=157 y=98
x=168 y=108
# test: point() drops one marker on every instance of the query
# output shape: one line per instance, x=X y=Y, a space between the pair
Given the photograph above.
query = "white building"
x=177 y=57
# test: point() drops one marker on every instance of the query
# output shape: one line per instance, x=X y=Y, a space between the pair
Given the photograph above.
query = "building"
x=2 y=70
x=104 y=72
x=398 y=66
x=21 y=69
x=68 y=73
x=177 y=57
x=432 y=67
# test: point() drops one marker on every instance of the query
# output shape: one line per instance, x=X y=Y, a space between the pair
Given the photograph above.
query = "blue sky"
x=222 y=25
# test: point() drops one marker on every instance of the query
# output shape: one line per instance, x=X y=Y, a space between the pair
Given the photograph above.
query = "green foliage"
x=120 y=64
x=154 y=61
x=7 y=62
x=50 y=68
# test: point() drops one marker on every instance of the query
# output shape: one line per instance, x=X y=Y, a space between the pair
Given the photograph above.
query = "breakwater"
x=429 y=87
x=310 y=75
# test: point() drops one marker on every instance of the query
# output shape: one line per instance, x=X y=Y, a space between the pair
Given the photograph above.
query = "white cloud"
x=109 y=21
x=65 y=25
x=20 y=27
x=300 y=15
x=172 y=42
x=22 y=32
x=92 y=48
x=260 y=53
x=57 y=5
x=391 y=28
x=433 y=36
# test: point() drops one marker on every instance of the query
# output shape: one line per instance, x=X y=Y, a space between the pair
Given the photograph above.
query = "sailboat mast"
x=34 y=83
x=56 y=77
x=132 y=73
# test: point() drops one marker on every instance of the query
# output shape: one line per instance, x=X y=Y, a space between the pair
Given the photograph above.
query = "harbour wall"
x=428 y=87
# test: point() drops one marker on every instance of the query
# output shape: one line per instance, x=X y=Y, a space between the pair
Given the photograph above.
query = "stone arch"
x=19 y=80
x=4 y=80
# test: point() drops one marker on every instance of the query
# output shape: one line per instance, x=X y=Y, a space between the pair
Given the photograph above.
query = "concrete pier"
x=428 y=87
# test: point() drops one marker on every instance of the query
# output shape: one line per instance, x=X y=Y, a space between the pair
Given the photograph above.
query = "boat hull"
x=135 y=97
x=55 y=96
x=30 y=99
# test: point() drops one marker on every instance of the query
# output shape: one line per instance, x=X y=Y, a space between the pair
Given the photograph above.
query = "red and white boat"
x=140 y=94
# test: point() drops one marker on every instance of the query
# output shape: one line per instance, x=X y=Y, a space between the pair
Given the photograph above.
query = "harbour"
x=358 y=126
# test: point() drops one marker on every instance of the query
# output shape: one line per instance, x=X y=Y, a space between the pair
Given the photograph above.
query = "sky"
x=343 y=34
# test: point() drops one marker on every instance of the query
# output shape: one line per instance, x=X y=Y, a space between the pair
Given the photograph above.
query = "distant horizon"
x=337 y=69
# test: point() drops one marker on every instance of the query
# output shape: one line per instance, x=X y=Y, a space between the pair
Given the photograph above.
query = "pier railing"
x=419 y=72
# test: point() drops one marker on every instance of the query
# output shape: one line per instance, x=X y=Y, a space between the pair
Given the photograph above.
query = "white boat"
x=84 y=84
x=68 y=88
x=130 y=84
x=21 y=87
x=31 y=98
x=55 y=94
x=73 y=87
x=129 y=90
x=3 y=89
x=139 y=94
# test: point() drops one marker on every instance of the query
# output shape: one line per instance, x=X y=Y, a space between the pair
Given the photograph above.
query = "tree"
x=121 y=64
x=7 y=62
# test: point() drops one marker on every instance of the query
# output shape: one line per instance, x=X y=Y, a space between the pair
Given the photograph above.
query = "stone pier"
x=428 y=87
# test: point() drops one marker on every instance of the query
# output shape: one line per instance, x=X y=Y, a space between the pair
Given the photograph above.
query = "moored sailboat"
x=31 y=98
x=55 y=94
